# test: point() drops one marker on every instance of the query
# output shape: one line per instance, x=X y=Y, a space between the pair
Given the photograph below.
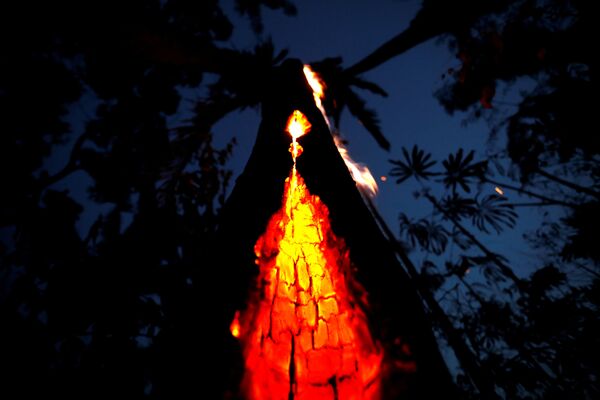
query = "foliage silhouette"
x=121 y=309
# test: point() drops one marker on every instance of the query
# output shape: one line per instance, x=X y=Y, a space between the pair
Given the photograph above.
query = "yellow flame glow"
x=297 y=125
x=360 y=172
x=303 y=333
x=235 y=325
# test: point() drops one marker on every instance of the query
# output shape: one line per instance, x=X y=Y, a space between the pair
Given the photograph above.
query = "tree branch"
x=468 y=360
x=506 y=270
x=570 y=185
x=535 y=204
x=471 y=290
x=406 y=40
x=530 y=194
x=435 y=18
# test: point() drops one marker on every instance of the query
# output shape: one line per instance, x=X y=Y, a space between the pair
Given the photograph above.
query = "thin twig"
x=568 y=184
x=529 y=193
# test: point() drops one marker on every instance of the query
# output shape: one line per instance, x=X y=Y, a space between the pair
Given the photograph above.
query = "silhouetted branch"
x=400 y=43
x=468 y=360
x=588 y=270
x=435 y=18
x=506 y=270
x=470 y=289
x=538 y=204
x=529 y=193
x=570 y=185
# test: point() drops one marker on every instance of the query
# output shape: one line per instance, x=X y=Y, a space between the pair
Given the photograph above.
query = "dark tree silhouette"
x=511 y=322
x=122 y=308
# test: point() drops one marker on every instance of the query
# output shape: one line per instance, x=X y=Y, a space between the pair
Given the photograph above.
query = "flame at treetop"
x=297 y=125
x=304 y=335
x=360 y=172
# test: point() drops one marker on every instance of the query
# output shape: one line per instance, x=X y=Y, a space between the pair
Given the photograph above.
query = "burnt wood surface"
x=396 y=311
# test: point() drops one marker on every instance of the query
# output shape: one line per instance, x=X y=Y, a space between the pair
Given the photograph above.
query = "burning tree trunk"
x=308 y=328
x=304 y=334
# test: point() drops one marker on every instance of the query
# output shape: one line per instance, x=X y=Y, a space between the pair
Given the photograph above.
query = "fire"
x=360 y=172
x=297 y=126
x=304 y=335
x=235 y=325
x=318 y=88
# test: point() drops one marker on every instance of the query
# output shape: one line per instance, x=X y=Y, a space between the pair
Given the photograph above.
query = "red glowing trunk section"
x=303 y=334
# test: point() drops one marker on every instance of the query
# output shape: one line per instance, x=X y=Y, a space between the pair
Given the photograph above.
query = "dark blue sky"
x=410 y=115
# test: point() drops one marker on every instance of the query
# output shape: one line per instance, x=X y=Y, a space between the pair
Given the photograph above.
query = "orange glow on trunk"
x=235 y=325
x=303 y=334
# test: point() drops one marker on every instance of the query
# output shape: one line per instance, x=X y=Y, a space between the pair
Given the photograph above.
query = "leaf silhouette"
x=431 y=236
x=252 y=9
x=461 y=170
x=457 y=206
x=415 y=164
x=546 y=278
x=339 y=95
x=367 y=117
x=370 y=86
x=494 y=211
x=430 y=276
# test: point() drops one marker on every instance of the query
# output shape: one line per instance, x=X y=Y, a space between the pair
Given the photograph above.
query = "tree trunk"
x=396 y=311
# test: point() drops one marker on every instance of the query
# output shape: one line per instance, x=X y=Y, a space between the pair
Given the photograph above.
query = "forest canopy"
x=119 y=309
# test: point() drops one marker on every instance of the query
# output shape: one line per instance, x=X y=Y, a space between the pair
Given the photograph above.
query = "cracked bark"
x=396 y=309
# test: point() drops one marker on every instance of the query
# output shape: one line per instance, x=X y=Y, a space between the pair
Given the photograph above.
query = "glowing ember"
x=499 y=190
x=304 y=335
x=360 y=172
x=235 y=325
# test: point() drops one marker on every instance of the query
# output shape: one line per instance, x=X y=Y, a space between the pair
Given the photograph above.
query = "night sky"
x=411 y=115
x=125 y=264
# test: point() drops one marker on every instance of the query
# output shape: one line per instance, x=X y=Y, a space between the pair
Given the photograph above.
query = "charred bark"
x=396 y=311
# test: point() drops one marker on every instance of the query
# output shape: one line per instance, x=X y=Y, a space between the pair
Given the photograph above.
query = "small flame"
x=360 y=172
x=297 y=126
x=235 y=325
x=499 y=190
